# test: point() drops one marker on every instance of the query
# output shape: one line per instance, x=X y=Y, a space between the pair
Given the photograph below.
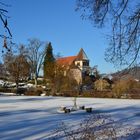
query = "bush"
x=103 y=94
x=41 y=82
x=8 y=90
x=87 y=94
x=69 y=93
x=31 y=82
x=101 y=84
x=122 y=87
x=34 y=92
x=90 y=93
x=21 y=91
x=134 y=93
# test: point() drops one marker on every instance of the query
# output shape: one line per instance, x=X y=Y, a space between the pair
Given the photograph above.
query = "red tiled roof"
x=66 y=60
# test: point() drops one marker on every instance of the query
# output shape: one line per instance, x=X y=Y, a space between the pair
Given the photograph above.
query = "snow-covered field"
x=32 y=118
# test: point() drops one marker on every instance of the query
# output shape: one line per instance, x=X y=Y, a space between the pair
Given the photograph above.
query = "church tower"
x=82 y=61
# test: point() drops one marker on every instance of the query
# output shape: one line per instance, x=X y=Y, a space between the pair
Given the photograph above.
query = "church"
x=77 y=65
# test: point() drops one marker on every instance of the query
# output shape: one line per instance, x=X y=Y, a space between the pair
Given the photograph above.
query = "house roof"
x=66 y=60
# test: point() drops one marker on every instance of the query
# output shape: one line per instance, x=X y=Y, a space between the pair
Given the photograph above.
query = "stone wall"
x=77 y=75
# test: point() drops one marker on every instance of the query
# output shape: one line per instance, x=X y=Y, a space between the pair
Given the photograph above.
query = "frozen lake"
x=30 y=118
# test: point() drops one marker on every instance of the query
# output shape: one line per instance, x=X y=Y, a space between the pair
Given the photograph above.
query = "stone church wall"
x=77 y=75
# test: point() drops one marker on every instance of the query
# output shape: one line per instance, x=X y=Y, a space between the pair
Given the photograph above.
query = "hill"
x=128 y=73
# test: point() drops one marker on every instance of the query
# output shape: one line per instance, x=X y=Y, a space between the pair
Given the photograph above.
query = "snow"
x=7 y=94
x=12 y=84
x=24 y=117
x=1 y=82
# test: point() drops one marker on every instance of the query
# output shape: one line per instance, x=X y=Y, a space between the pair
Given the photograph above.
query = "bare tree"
x=3 y=18
x=36 y=53
x=17 y=66
x=5 y=30
x=124 y=19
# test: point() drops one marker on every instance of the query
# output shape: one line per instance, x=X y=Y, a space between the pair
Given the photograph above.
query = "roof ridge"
x=66 y=60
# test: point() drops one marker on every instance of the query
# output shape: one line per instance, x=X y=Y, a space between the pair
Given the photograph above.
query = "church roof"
x=69 y=60
x=82 y=55
x=66 y=60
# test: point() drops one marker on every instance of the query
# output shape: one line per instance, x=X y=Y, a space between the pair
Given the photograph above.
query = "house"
x=77 y=65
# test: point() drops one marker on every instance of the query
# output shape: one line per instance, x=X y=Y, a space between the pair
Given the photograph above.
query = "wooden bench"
x=88 y=109
x=67 y=110
x=71 y=109
x=82 y=107
x=62 y=108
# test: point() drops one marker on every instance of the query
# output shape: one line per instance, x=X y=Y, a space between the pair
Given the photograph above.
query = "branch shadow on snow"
x=24 y=124
x=41 y=123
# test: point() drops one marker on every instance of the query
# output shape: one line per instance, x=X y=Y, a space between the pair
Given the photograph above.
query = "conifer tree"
x=49 y=63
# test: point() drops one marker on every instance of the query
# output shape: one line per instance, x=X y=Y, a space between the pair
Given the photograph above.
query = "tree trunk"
x=35 y=81
x=75 y=104
x=17 y=87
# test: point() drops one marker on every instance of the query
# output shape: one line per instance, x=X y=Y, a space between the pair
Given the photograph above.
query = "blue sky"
x=56 y=21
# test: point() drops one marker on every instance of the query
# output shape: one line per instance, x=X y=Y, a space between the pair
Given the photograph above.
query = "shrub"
x=8 y=90
x=122 y=87
x=101 y=84
x=69 y=93
x=34 y=92
x=31 y=82
x=41 y=82
x=21 y=91
x=87 y=94
x=134 y=93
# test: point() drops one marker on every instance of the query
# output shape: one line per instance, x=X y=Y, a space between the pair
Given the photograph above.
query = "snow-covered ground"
x=32 y=118
x=7 y=94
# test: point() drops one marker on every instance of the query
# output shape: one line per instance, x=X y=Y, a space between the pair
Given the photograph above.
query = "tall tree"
x=36 y=53
x=17 y=66
x=49 y=62
x=124 y=19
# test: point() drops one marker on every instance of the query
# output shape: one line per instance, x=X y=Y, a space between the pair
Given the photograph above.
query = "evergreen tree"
x=49 y=63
